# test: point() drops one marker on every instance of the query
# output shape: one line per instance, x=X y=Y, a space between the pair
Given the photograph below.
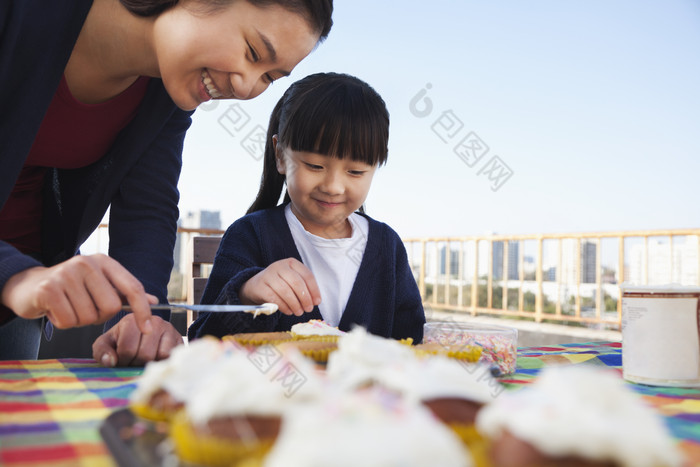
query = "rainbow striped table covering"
x=680 y=407
x=51 y=410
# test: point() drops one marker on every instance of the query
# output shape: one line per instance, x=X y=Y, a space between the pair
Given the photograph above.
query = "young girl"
x=315 y=255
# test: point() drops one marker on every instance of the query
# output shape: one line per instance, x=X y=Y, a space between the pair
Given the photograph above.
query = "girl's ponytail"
x=271 y=182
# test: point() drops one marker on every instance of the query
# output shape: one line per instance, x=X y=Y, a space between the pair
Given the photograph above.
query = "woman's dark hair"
x=332 y=114
x=317 y=12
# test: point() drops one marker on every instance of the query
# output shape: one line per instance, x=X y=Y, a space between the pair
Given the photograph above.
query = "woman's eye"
x=253 y=54
x=269 y=79
x=357 y=172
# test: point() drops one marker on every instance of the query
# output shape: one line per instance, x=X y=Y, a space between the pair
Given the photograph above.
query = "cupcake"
x=369 y=428
x=576 y=415
x=469 y=353
x=316 y=330
x=237 y=412
x=454 y=392
x=318 y=351
x=362 y=359
x=259 y=338
x=165 y=385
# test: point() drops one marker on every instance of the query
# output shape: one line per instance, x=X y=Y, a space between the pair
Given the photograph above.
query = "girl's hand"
x=82 y=290
x=286 y=282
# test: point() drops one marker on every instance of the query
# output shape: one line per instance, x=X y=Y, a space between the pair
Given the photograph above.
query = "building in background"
x=454 y=261
x=513 y=260
x=588 y=262
x=665 y=262
x=201 y=219
x=568 y=273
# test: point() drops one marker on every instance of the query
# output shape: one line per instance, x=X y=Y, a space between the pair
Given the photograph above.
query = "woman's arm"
x=143 y=228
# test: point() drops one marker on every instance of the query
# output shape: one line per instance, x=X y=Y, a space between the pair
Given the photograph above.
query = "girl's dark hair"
x=332 y=114
x=317 y=12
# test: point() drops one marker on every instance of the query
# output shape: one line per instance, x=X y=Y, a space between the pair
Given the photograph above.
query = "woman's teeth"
x=209 y=86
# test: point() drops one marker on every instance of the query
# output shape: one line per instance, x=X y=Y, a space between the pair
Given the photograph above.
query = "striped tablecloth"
x=51 y=410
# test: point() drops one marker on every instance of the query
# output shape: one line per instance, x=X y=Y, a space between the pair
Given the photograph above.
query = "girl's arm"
x=240 y=257
x=244 y=273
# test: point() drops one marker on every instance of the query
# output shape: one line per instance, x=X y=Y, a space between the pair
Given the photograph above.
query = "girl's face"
x=324 y=190
x=231 y=53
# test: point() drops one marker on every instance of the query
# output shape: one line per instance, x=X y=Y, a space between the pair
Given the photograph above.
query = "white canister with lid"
x=660 y=337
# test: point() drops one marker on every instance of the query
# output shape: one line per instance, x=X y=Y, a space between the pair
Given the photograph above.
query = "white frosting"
x=264 y=382
x=582 y=411
x=315 y=327
x=180 y=374
x=265 y=309
x=442 y=377
x=363 y=358
x=366 y=428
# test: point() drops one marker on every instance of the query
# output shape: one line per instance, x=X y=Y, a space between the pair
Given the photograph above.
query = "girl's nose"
x=333 y=184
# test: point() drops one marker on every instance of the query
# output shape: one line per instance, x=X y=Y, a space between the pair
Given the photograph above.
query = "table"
x=51 y=410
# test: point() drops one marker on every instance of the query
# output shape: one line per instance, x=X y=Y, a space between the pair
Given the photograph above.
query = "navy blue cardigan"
x=137 y=178
x=384 y=298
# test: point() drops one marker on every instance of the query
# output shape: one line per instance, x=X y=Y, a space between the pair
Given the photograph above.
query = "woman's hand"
x=124 y=345
x=286 y=282
x=82 y=290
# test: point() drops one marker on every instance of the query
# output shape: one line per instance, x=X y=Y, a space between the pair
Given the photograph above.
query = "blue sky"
x=591 y=106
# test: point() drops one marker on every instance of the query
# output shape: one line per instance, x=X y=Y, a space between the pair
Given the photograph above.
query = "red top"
x=72 y=135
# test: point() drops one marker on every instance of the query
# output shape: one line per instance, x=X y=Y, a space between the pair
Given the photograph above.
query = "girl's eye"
x=269 y=79
x=313 y=166
x=357 y=172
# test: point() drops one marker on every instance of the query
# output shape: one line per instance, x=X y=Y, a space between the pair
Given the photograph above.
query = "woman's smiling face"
x=233 y=52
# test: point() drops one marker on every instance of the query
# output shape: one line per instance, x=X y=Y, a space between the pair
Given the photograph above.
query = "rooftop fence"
x=569 y=279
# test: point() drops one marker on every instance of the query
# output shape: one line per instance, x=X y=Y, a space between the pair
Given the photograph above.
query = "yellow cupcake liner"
x=256 y=339
x=318 y=355
x=251 y=462
x=468 y=353
x=147 y=412
x=196 y=448
x=406 y=341
x=477 y=445
x=315 y=350
x=329 y=339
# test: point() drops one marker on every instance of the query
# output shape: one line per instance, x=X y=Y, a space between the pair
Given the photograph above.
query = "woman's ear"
x=279 y=156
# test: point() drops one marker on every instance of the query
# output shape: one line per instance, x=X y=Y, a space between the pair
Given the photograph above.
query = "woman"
x=97 y=96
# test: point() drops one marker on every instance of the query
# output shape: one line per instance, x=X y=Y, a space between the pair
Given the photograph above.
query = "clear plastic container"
x=499 y=343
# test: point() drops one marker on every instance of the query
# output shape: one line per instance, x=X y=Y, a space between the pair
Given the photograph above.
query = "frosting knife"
x=264 y=309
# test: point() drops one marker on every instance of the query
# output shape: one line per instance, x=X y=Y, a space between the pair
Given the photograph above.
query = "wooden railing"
x=563 y=278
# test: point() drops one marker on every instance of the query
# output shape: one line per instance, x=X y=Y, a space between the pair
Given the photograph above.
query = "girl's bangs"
x=343 y=123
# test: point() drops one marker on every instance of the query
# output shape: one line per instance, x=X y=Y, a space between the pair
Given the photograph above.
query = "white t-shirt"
x=334 y=262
